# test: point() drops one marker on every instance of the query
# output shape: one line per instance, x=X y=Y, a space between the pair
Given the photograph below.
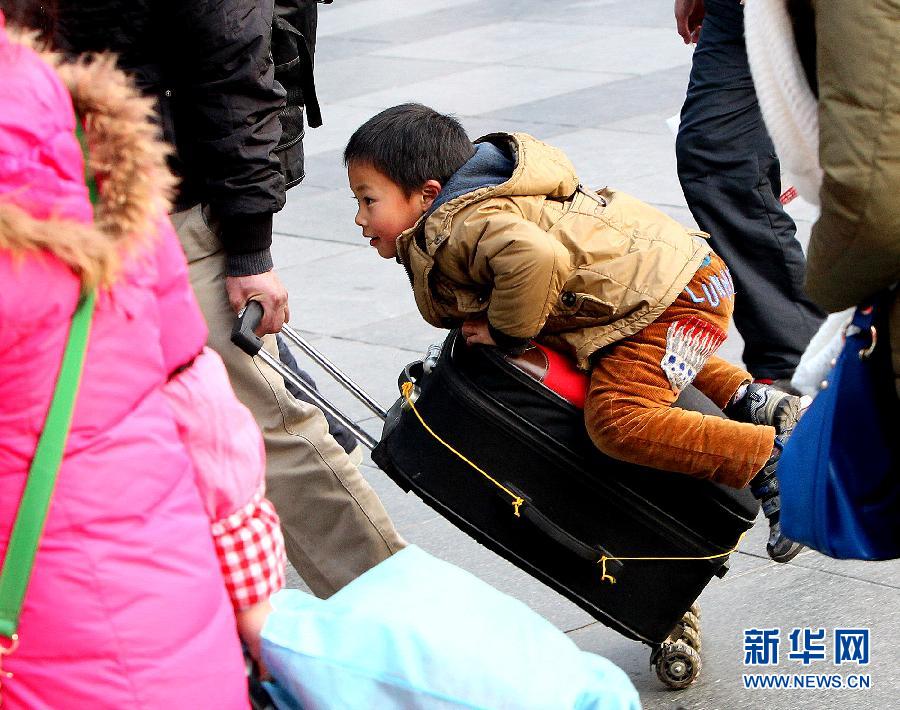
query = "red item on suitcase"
x=555 y=371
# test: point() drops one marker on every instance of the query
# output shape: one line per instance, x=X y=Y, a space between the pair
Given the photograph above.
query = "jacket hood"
x=44 y=202
x=489 y=166
x=540 y=169
x=537 y=169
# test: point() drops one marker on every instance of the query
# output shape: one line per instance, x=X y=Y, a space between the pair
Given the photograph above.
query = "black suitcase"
x=579 y=507
x=536 y=491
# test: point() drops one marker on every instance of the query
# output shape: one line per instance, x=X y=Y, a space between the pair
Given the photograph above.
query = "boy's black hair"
x=411 y=144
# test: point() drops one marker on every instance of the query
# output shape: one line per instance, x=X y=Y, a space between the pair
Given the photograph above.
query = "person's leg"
x=634 y=383
x=731 y=180
x=720 y=380
x=629 y=416
x=629 y=413
x=334 y=525
x=731 y=388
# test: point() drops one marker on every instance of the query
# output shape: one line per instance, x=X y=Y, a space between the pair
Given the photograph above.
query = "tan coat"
x=854 y=251
x=543 y=257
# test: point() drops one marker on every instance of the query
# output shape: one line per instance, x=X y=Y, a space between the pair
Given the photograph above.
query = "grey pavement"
x=597 y=78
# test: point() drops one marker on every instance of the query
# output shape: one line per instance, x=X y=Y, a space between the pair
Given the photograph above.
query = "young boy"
x=501 y=239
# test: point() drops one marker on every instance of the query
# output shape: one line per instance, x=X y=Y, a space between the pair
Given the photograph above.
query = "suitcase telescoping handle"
x=416 y=371
x=249 y=320
x=243 y=335
x=334 y=371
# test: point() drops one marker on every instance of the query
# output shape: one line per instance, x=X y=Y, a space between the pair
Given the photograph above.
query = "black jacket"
x=209 y=64
x=293 y=48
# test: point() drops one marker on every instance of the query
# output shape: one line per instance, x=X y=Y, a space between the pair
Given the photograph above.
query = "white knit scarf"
x=788 y=105
x=791 y=114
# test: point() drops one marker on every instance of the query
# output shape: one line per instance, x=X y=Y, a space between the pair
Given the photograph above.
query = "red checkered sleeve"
x=251 y=552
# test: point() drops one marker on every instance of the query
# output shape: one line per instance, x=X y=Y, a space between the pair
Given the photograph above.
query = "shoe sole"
x=786 y=419
x=792 y=552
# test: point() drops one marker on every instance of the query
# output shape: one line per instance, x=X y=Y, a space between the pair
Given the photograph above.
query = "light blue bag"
x=417 y=632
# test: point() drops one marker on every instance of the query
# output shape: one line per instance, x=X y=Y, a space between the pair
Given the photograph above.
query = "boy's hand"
x=475 y=331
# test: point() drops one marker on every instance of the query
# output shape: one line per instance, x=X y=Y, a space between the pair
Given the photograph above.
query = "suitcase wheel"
x=677 y=664
x=692 y=620
x=691 y=637
x=688 y=629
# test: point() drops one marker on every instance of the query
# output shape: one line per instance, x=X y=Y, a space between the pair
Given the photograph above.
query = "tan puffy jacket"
x=544 y=257
x=854 y=251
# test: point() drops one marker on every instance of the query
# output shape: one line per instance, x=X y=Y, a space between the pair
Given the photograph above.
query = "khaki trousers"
x=335 y=527
x=628 y=410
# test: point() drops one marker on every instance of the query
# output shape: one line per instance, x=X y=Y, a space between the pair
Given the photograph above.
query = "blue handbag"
x=839 y=474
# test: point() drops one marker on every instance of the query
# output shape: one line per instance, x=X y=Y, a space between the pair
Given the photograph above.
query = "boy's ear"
x=430 y=191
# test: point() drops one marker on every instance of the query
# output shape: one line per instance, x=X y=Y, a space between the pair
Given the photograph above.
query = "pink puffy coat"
x=126 y=607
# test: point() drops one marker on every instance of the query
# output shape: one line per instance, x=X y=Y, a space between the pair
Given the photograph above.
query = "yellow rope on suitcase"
x=518 y=501
x=605 y=577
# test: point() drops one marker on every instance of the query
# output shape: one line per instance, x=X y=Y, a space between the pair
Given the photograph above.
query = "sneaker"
x=764 y=487
x=765 y=404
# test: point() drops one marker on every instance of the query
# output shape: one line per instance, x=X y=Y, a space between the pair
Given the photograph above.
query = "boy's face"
x=385 y=211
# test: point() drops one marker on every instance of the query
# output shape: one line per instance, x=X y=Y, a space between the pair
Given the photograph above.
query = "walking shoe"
x=765 y=404
x=764 y=487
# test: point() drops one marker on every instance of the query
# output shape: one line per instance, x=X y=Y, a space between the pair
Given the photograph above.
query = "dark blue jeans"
x=731 y=180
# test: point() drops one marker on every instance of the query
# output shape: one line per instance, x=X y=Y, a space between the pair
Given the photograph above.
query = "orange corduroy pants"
x=634 y=382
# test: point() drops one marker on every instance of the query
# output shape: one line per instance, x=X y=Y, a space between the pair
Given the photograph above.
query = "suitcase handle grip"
x=412 y=373
x=243 y=331
x=591 y=553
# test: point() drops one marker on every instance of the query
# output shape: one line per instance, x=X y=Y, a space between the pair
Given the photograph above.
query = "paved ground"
x=597 y=78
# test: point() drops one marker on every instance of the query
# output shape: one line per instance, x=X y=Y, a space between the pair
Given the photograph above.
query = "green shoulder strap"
x=29 y=523
x=32 y=513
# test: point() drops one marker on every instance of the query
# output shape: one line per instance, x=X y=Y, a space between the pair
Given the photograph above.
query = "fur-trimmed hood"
x=44 y=201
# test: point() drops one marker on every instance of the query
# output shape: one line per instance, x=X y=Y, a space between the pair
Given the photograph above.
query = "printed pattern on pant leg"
x=251 y=554
x=689 y=343
x=711 y=291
